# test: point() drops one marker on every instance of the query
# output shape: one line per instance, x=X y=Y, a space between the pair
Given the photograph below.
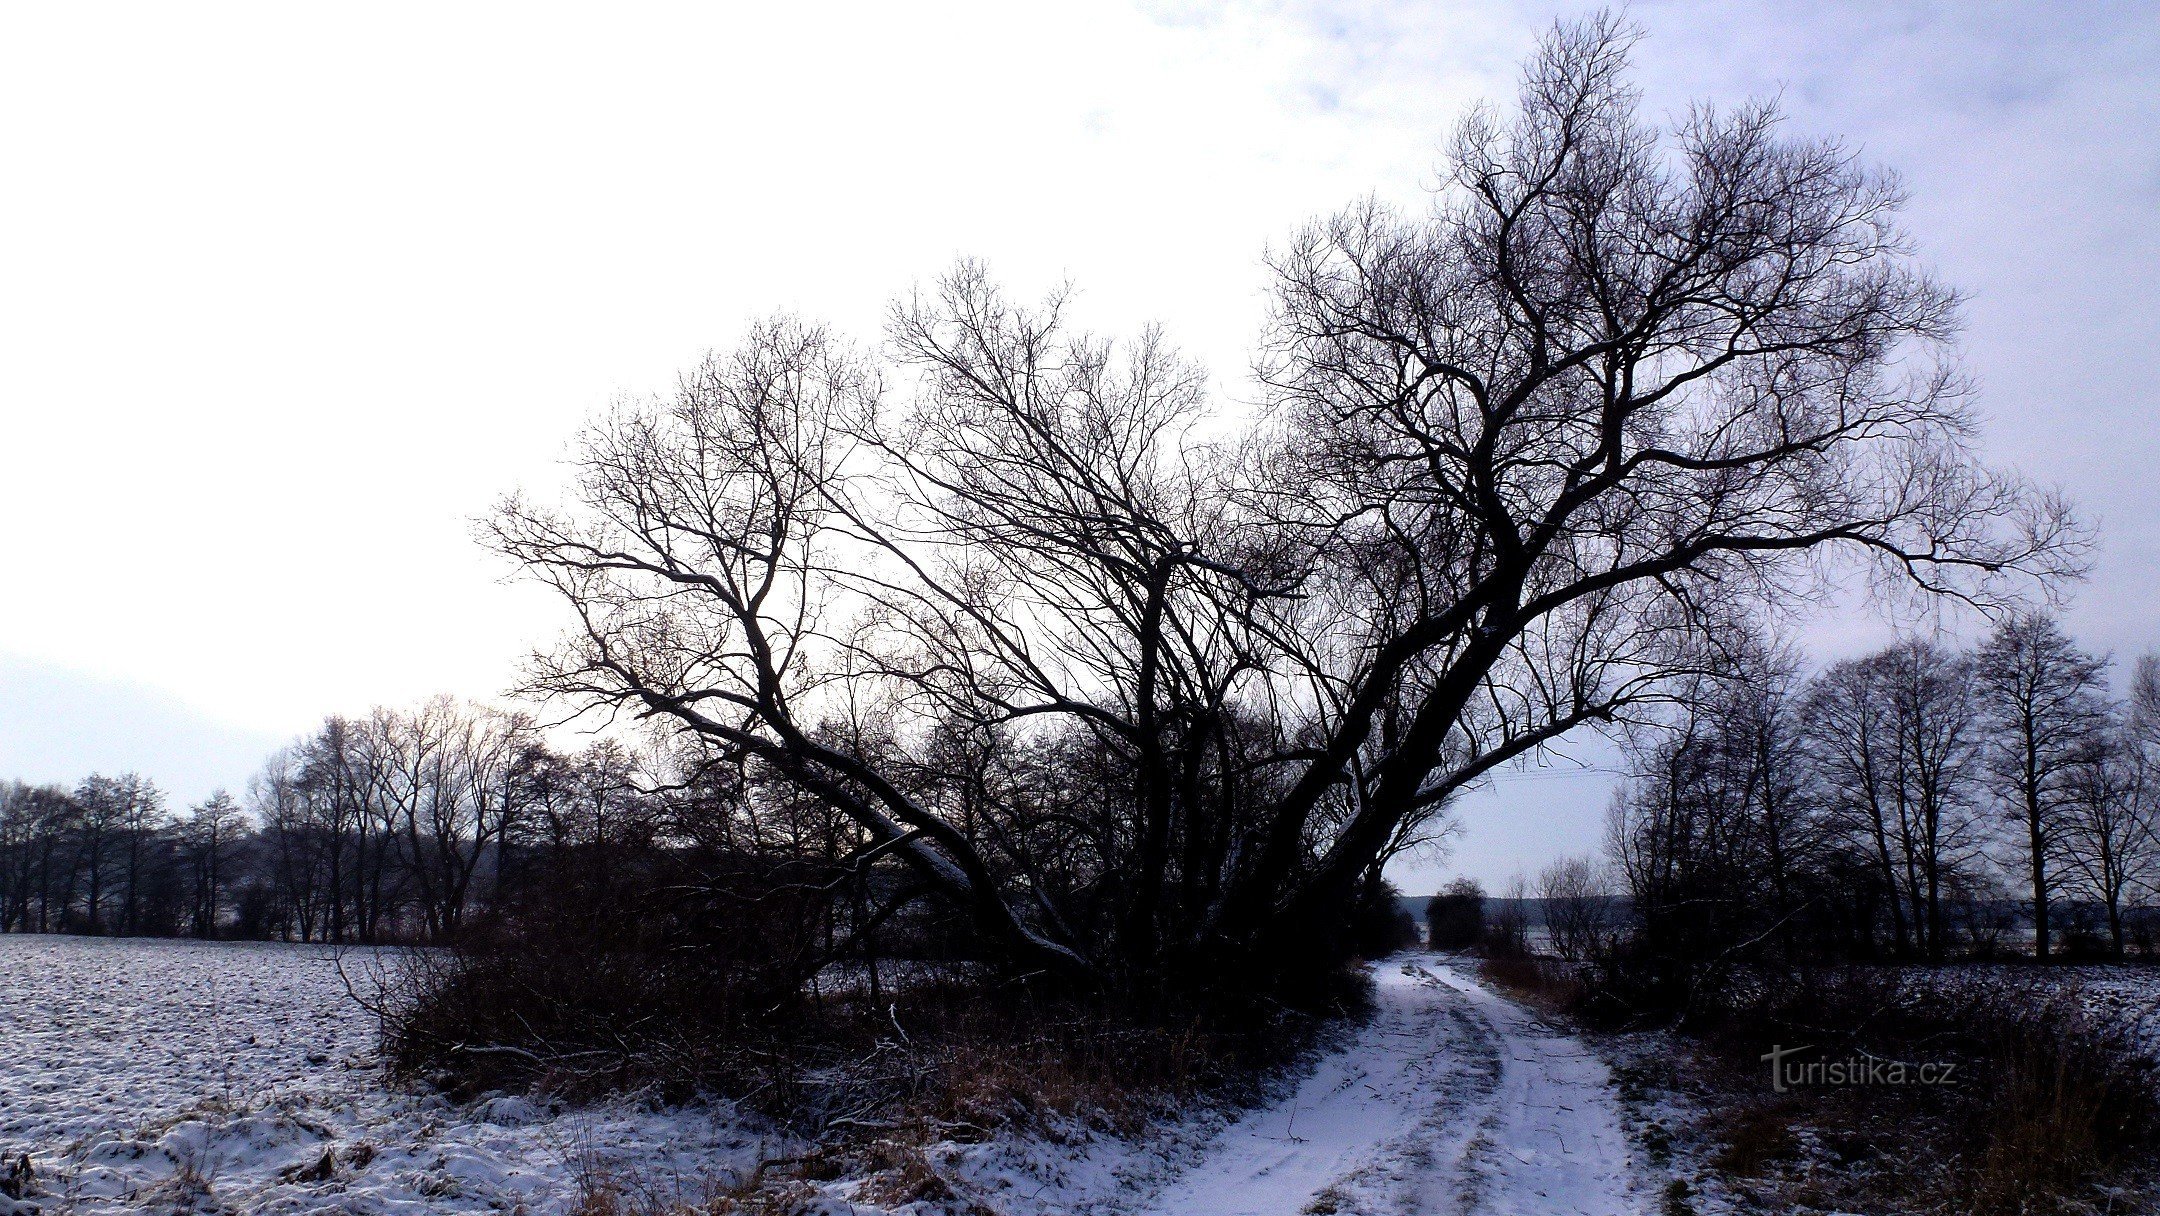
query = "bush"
x=1507 y=923
x=623 y=968
x=675 y=983
x=1455 y=918
x=946 y=1044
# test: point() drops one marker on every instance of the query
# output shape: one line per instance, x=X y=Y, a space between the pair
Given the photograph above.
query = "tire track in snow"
x=1451 y=1100
x=1550 y=1140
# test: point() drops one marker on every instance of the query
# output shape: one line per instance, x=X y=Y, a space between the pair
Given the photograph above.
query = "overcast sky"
x=288 y=294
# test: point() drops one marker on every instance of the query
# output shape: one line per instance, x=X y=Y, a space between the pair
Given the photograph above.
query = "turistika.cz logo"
x=1862 y=1069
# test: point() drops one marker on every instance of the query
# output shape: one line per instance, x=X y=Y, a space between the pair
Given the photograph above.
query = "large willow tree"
x=1155 y=706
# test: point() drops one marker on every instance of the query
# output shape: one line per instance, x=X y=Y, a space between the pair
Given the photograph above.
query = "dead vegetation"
x=868 y=1076
x=947 y=1045
x=2048 y=1109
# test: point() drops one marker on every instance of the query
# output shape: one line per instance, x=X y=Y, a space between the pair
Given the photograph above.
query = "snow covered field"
x=172 y=1076
x=179 y=1076
x=2128 y=996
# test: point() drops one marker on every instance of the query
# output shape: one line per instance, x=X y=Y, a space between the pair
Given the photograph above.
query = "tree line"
x=392 y=826
x=1919 y=802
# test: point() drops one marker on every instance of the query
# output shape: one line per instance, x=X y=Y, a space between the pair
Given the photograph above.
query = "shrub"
x=612 y=977
x=1507 y=923
x=1455 y=918
x=721 y=987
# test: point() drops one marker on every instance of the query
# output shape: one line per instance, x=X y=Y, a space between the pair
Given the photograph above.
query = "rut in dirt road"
x=1453 y=1100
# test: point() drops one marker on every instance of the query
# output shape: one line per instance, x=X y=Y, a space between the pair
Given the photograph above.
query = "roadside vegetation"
x=1870 y=868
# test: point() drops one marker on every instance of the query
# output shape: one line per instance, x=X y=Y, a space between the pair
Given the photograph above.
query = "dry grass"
x=1758 y=1137
x=1545 y=984
x=2052 y=1111
x=2066 y=1103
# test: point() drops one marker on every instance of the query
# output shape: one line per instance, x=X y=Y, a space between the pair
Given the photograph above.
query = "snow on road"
x=1453 y=1100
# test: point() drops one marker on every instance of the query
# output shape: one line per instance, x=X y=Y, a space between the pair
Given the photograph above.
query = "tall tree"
x=210 y=838
x=106 y=806
x=2109 y=829
x=2044 y=705
x=1529 y=458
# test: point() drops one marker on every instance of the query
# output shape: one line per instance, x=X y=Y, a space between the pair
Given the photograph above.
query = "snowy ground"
x=176 y=1076
x=164 y=1076
x=1451 y=1100
x=2126 y=995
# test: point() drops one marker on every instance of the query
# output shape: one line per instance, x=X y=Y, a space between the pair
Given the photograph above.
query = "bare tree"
x=209 y=840
x=1616 y=375
x=1529 y=459
x=2043 y=703
x=2108 y=825
x=107 y=806
x=1720 y=850
x=21 y=834
x=1893 y=742
x=280 y=805
x=1856 y=764
x=1578 y=909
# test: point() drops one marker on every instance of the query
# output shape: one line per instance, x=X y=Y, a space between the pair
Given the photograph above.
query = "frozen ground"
x=1450 y=1101
x=165 y=1076
x=176 y=1076
x=2129 y=996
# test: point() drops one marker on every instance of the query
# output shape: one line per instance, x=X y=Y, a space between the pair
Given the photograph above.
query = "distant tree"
x=55 y=824
x=289 y=845
x=2108 y=826
x=2042 y=705
x=333 y=771
x=19 y=838
x=452 y=784
x=210 y=841
x=1506 y=933
x=111 y=812
x=1894 y=741
x=142 y=824
x=1455 y=918
x=1578 y=911
x=1715 y=836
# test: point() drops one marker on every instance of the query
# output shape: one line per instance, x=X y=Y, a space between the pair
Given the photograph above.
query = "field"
x=175 y=1076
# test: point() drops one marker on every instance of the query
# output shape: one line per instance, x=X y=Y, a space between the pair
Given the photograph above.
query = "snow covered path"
x=1453 y=1100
